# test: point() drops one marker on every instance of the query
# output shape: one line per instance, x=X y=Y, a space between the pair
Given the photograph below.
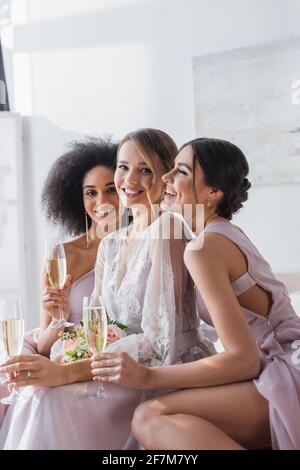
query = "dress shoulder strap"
x=237 y=236
x=243 y=283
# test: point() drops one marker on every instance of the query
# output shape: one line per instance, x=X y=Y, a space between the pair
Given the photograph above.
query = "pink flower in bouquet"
x=69 y=344
x=114 y=333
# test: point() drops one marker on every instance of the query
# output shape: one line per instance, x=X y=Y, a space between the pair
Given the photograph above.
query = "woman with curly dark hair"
x=246 y=397
x=78 y=195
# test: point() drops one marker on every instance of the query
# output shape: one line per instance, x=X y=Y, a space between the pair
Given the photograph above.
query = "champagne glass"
x=56 y=266
x=12 y=333
x=95 y=329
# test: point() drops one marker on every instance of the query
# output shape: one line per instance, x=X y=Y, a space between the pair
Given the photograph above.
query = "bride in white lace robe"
x=145 y=285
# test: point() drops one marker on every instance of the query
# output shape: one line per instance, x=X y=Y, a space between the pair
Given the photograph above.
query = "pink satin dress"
x=278 y=339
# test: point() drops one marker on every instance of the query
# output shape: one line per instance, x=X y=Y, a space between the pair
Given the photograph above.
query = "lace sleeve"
x=162 y=310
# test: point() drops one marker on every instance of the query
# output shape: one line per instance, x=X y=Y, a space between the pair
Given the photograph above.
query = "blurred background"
x=219 y=68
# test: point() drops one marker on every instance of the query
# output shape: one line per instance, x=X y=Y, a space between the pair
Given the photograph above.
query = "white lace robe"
x=146 y=286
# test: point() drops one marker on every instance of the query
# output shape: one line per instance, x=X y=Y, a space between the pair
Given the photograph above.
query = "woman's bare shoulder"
x=76 y=243
x=208 y=247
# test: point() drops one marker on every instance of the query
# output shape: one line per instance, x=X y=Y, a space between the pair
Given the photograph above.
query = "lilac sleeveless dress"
x=83 y=287
x=65 y=417
x=278 y=339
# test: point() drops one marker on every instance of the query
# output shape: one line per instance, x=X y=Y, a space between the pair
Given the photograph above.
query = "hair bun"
x=234 y=202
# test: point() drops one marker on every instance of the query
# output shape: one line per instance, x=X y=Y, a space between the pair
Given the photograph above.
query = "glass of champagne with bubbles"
x=12 y=335
x=56 y=266
x=95 y=329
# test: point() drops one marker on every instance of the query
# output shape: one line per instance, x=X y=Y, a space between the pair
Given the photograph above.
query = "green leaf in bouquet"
x=118 y=324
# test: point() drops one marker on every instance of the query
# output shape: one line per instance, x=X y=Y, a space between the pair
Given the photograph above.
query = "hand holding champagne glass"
x=56 y=266
x=12 y=334
x=95 y=328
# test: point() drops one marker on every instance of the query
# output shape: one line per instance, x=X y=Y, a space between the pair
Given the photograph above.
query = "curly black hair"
x=62 y=198
x=225 y=167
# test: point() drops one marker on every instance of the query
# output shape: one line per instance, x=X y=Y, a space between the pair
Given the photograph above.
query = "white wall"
x=271 y=220
x=98 y=66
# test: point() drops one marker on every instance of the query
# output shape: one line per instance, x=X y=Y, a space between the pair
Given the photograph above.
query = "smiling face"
x=179 y=181
x=180 y=185
x=100 y=197
x=135 y=181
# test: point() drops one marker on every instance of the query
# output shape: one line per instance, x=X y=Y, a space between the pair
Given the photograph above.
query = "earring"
x=87 y=230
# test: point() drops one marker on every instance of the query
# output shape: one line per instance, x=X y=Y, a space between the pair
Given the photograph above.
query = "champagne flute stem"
x=100 y=392
x=15 y=390
x=61 y=314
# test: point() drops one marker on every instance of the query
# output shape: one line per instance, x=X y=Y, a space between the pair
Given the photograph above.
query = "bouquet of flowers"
x=74 y=343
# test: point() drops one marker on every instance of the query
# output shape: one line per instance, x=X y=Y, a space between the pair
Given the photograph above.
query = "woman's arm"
x=51 y=300
x=239 y=362
x=45 y=373
x=241 y=359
